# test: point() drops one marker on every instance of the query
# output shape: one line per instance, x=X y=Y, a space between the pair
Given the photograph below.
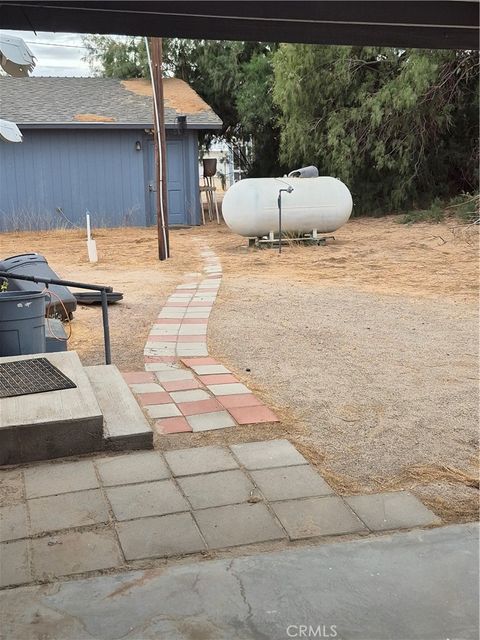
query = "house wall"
x=96 y=170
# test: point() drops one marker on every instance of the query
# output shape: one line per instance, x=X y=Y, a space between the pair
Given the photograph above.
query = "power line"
x=54 y=44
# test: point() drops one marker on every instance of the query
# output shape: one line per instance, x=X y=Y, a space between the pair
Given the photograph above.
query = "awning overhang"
x=451 y=24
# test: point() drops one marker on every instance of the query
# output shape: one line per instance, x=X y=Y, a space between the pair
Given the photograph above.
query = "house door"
x=177 y=210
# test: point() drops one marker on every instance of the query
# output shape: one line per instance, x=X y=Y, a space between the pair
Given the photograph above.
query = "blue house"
x=88 y=145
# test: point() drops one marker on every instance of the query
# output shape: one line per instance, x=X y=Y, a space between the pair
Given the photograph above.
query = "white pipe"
x=88 y=226
x=159 y=145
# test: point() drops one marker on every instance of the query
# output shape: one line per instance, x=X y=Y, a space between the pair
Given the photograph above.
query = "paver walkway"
x=75 y=517
x=183 y=389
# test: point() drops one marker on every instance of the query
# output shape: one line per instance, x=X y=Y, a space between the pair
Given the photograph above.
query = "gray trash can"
x=22 y=323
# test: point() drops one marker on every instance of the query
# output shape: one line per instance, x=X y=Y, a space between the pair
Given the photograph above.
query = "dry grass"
x=375 y=258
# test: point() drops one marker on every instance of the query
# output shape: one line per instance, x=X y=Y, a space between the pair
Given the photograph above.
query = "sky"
x=58 y=54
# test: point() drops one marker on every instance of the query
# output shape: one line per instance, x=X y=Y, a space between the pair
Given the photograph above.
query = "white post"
x=91 y=244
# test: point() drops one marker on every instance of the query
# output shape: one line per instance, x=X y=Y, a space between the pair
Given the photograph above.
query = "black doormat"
x=36 y=375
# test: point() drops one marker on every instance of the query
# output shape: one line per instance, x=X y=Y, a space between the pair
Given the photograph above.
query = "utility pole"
x=160 y=147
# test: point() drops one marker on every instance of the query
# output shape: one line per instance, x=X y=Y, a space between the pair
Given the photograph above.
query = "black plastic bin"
x=33 y=264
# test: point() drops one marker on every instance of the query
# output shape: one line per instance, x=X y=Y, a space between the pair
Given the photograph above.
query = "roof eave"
x=113 y=125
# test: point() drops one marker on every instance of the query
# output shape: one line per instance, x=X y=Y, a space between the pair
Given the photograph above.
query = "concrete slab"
x=267 y=454
x=171 y=313
x=207 y=369
x=60 y=477
x=313 y=517
x=131 y=468
x=233 y=388
x=67 y=511
x=286 y=483
x=164 y=329
x=172 y=373
x=189 y=396
x=13 y=522
x=186 y=462
x=210 y=421
x=160 y=537
x=193 y=329
x=191 y=349
x=146 y=499
x=167 y=410
x=74 y=552
x=216 y=489
x=148 y=387
x=14 y=564
x=392 y=586
x=12 y=488
x=125 y=426
x=55 y=424
x=396 y=510
x=236 y=525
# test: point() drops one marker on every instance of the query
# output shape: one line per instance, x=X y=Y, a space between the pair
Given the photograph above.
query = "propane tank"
x=250 y=206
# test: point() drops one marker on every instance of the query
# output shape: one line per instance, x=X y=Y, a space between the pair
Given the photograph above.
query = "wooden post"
x=160 y=149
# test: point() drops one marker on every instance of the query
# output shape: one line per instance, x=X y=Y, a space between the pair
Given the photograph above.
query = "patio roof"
x=441 y=24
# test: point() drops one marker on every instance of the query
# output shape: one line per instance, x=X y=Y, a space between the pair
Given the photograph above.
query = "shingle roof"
x=100 y=101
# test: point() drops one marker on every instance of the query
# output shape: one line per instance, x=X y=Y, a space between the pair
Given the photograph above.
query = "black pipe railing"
x=78 y=285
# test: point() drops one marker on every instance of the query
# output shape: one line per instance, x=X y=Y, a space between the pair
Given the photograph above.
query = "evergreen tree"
x=400 y=128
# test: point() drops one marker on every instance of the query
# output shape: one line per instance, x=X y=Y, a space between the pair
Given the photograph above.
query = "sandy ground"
x=367 y=347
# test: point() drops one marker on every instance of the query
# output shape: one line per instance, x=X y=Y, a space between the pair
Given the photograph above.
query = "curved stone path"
x=183 y=388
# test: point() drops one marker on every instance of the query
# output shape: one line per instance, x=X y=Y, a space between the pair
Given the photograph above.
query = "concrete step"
x=54 y=424
x=125 y=426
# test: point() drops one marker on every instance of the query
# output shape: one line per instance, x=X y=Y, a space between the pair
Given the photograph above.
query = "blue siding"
x=97 y=170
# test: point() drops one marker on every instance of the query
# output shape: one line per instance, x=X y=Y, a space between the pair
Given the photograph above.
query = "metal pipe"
x=106 y=328
x=66 y=283
x=288 y=190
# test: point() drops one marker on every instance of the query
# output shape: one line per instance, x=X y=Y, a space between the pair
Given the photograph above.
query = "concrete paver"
x=147 y=499
x=146 y=387
x=14 y=564
x=170 y=374
x=74 y=552
x=63 y=477
x=237 y=525
x=67 y=510
x=396 y=510
x=168 y=410
x=172 y=425
x=169 y=535
x=13 y=522
x=233 y=388
x=253 y=415
x=134 y=467
x=208 y=369
x=286 y=483
x=266 y=454
x=216 y=489
x=193 y=395
x=210 y=421
x=317 y=517
x=200 y=406
x=149 y=399
x=186 y=462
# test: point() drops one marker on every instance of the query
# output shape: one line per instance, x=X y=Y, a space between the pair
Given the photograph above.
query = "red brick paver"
x=199 y=406
x=172 y=425
x=156 y=397
x=253 y=415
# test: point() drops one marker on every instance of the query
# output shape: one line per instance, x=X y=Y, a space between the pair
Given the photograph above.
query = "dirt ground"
x=367 y=347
